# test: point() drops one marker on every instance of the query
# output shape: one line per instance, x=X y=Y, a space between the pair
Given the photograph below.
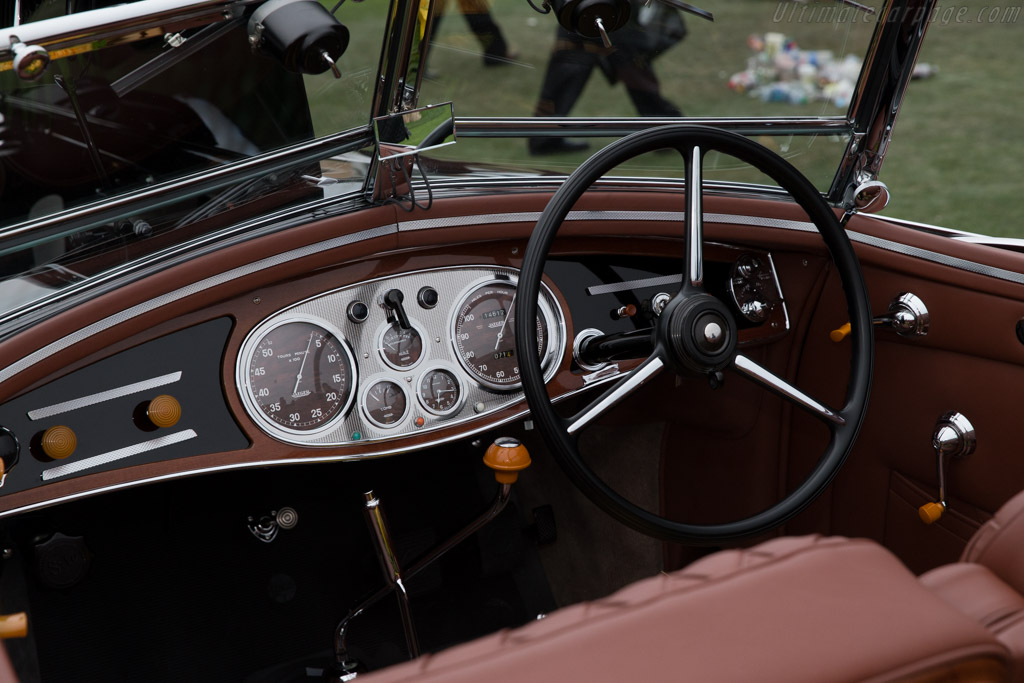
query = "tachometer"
x=297 y=376
x=483 y=334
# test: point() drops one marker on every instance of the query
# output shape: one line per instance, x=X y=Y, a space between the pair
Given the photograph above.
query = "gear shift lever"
x=507 y=457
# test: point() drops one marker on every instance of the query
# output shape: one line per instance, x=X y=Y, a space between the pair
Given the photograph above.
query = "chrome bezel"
x=451 y=370
x=379 y=337
x=551 y=316
x=244 y=387
x=373 y=381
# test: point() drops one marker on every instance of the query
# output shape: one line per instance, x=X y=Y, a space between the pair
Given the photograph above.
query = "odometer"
x=299 y=377
x=484 y=337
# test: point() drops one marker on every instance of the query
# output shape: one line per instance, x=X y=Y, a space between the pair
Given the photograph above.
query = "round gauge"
x=385 y=403
x=401 y=349
x=753 y=287
x=483 y=331
x=297 y=376
x=439 y=391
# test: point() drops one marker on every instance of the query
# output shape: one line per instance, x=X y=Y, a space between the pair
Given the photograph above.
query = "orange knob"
x=931 y=512
x=164 y=411
x=13 y=625
x=839 y=334
x=507 y=457
x=59 y=442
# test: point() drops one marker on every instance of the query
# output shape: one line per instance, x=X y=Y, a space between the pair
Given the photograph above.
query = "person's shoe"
x=542 y=146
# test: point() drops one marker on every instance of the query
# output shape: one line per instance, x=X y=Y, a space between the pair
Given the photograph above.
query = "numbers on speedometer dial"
x=484 y=336
x=301 y=376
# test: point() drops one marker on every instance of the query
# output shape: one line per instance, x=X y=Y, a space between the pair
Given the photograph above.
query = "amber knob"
x=164 y=411
x=59 y=442
x=13 y=625
x=507 y=457
x=930 y=512
x=840 y=333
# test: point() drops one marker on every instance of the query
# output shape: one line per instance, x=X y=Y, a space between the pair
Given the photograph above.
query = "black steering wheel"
x=695 y=333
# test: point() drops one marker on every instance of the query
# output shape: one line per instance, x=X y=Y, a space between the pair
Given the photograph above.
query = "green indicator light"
x=356 y=436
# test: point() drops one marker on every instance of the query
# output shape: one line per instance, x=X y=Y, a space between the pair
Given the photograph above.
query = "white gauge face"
x=298 y=375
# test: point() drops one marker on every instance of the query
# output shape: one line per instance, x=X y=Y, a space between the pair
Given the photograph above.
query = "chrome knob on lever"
x=954 y=437
x=907 y=315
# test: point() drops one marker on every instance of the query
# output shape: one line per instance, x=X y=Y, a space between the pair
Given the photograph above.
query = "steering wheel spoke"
x=781 y=387
x=619 y=391
x=693 y=278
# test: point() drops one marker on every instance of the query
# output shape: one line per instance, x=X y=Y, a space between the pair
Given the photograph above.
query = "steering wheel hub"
x=698 y=334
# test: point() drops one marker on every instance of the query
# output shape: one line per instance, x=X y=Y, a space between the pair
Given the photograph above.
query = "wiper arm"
x=174 y=55
x=94 y=152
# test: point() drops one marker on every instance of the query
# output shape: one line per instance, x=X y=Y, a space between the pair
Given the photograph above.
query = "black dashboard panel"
x=104 y=405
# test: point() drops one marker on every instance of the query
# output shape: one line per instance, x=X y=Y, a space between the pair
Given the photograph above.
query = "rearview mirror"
x=414 y=131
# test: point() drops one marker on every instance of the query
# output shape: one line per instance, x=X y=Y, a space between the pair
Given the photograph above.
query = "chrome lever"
x=954 y=437
x=907 y=315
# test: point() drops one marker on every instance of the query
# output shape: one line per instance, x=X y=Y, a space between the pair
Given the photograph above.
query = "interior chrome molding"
x=188 y=290
x=457 y=221
x=119 y=454
x=110 y=394
x=293 y=461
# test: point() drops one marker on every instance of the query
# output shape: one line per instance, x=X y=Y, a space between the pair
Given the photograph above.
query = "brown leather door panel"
x=970 y=361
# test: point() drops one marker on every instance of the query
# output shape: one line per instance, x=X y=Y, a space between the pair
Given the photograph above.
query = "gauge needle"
x=508 y=312
x=298 y=377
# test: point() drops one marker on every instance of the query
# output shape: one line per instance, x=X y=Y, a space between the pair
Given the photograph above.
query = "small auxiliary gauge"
x=385 y=403
x=400 y=348
x=439 y=391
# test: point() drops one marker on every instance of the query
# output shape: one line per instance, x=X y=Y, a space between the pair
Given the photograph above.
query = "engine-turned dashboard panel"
x=404 y=354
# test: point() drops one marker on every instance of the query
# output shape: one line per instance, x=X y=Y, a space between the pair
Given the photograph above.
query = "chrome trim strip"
x=119 y=454
x=404 y=448
x=627 y=285
x=110 y=394
x=188 y=290
x=426 y=224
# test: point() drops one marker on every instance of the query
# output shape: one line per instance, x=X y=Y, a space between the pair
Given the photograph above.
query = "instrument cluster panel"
x=391 y=357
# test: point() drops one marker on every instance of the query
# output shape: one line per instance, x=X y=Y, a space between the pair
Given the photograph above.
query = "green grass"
x=956 y=158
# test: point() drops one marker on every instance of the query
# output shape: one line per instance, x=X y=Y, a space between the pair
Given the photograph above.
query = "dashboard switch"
x=427 y=297
x=393 y=300
x=164 y=411
x=358 y=311
x=58 y=442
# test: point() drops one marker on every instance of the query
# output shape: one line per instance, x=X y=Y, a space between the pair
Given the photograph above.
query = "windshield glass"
x=756 y=59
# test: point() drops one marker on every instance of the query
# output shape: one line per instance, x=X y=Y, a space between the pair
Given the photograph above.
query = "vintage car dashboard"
x=381 y=365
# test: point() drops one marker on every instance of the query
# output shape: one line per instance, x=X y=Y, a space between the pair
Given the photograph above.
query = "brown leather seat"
x=792 y=609
x=988 y=583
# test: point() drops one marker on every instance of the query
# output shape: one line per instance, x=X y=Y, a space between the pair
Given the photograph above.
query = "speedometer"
x=297 y=376
x=483 y=333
